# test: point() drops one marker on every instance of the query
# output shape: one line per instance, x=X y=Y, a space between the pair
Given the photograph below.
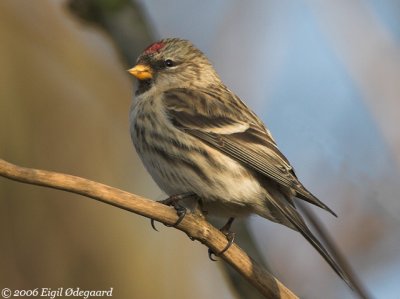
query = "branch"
x=192 y=224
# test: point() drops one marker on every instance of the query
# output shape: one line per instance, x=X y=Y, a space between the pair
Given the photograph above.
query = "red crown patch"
x=156 y=47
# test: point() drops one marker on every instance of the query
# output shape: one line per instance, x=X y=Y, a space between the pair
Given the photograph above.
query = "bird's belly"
x=226 y=187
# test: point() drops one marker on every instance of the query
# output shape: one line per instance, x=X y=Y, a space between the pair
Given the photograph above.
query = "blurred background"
x=323 y=75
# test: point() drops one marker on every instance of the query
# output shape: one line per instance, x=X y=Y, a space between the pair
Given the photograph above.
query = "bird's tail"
x=291 y=214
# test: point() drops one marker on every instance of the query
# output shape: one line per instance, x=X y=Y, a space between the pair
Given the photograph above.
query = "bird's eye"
x=169 y=63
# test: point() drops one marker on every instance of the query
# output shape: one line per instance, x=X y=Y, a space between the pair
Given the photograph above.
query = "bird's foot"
x=230 y=236
x=173 y=201
x=180 y=211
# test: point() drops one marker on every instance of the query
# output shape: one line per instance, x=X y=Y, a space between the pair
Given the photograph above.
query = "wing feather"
x=232 y=128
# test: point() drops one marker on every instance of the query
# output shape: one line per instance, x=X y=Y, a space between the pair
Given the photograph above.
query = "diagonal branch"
x=193 y=225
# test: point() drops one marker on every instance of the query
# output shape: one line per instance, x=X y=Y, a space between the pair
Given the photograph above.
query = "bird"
x=195 y=136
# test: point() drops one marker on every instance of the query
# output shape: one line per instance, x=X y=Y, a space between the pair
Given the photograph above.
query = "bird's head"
x=173 y=63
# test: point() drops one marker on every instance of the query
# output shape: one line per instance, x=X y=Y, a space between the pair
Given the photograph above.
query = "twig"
x=193 y=225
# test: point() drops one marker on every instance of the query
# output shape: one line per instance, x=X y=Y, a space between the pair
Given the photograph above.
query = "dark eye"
x=169 y=63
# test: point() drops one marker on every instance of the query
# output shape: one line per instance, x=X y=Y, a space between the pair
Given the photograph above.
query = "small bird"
x=195 y=136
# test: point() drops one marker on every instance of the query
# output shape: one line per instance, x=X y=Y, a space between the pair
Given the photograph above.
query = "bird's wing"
x=229 y=126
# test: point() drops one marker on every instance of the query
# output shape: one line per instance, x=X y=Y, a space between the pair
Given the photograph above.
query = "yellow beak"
x=141 y=71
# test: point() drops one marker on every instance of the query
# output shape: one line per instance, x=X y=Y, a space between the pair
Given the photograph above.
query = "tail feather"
x=290 y=213
x=309 y=197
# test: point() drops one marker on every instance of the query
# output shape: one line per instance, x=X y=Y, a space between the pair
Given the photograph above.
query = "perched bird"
x=195 y=136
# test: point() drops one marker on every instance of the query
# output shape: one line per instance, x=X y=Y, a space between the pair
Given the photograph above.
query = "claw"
x=153 y=225
x=173 y=201
x=230 y=236
x=211 y=254
x=181 y=211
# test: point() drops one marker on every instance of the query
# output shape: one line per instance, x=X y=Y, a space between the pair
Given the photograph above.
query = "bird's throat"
x=144 y=85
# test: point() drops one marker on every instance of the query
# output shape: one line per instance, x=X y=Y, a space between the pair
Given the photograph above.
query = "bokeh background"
x=323 y=75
